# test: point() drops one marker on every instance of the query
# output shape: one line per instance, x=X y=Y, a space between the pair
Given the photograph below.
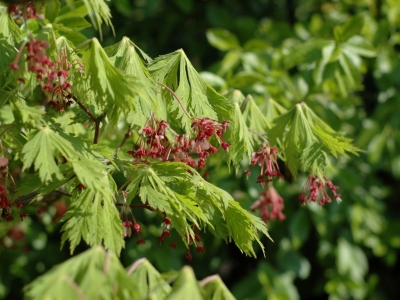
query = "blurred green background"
x=273 y=49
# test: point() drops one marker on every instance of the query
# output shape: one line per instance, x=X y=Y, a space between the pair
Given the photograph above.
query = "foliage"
x=123 y=142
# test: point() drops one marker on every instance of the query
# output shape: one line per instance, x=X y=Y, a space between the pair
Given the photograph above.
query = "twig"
x=258 y=134
x=87 y=111
x=176 y=97
x=246 y=100
x=127 y=135
x=97 y=127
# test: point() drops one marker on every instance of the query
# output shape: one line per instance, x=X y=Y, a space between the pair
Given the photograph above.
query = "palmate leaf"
x=40 y=151
x=111 y=86
x=255 y=118
x=215 y=289
x=179 y=191
x=240 y=138
x=99 y=11
x=186 y=284
x=94 y=218
x=149 y=282
x=307 y=140
x=128 y=57
x=80 y=278
x=199 y=99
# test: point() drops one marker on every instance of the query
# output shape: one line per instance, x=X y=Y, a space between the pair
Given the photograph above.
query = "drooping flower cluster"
x=267 y=159
x=17 y=11
x=52 y=76
x=270 y=204
x=154 y=143
x=315 y=190
x=5 y=200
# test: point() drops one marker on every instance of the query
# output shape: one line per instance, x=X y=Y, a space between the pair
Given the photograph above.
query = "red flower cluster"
x=266 y=158
x=5 y=200
x=155 y=144
x=270 y=204
x=316 y=190
x=17 y=10
x=53 y=76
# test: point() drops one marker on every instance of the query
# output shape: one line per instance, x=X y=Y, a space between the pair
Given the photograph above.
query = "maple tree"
x=75 y=114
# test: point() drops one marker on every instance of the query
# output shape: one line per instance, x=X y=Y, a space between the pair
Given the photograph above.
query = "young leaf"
x=307 y=140
x=94 y=218
x=110 y=85
x=215 y=289
x=80 y=278
x=99 y=11
x=198 y=98
x=240 y=138
x=127 y=56
x=149 y=282
x=186 y=284
x=222 y=39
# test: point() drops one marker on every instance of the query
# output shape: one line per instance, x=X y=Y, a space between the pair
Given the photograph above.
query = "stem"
x=127 y=135
x=136 y=206
x=87 y=111
x=97 y=127
x=258 y=134
x=176 y=97
x=246 y=100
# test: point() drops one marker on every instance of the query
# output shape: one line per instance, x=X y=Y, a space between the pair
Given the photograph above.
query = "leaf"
x=110 y=85
x=187 y=199
x=255 y=118
x=80 y=278
x=51 y=10
x=39 y=151
x=307 y=140
x=222 y=39
x=94 y=218
x=215 y=289
x=186 y=284
x=150 y=283
x=199 y=99
x=240 y=139
x=127 y=57
x=360 y=45
x=99 y=11
x=352 y=27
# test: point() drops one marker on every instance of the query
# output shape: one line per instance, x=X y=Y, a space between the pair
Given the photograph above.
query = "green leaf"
x=199 y=99
x=255 y=119
x=94 y=218
x=51 y=10
x=240 y=139
x=360 y=46
x=352 y=27
x=99 y=11
x=215 y=289
x=111 y=86
x=80 y=278
x=39 y=151
x=307 y=140
x=222 y=39
x=187 y=199
x=128 y=57
x=186 y=284
x=149 y=282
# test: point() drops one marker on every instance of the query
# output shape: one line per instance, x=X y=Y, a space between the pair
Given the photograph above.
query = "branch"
x=127 y=135
x=97 y=127
x=89 y=113
x=176 y=97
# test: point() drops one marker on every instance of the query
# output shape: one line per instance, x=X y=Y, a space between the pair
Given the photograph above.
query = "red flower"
x=173 y=245
x=270 y=204
x=315 y=190
x=188 y=256
x=140 y=241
